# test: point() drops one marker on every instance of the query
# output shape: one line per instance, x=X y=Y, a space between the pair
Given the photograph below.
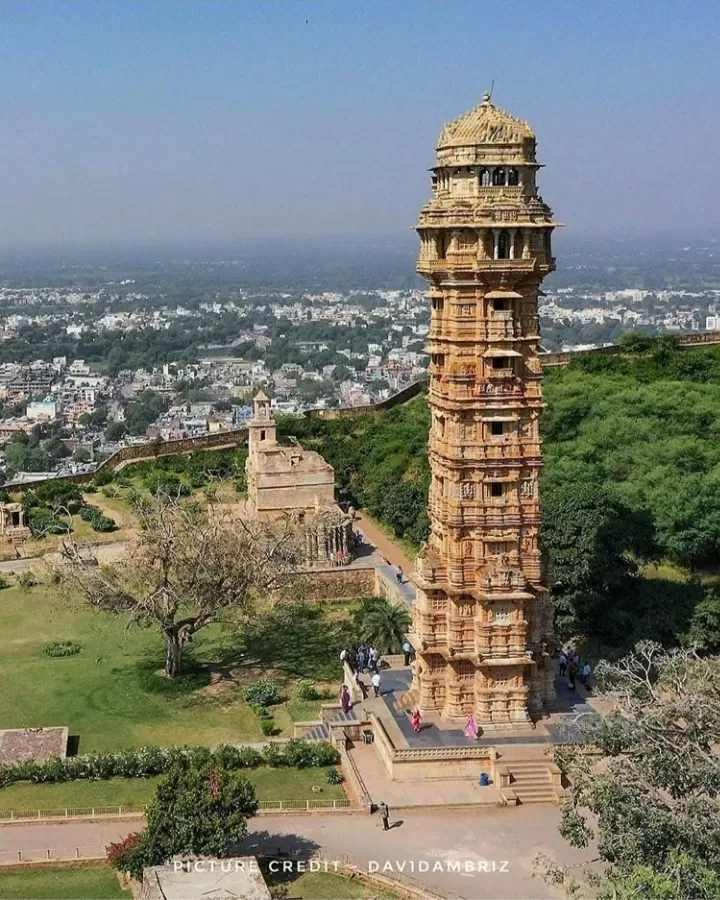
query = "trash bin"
x=484 y=779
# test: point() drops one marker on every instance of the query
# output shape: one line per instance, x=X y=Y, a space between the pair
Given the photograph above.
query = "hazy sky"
x=201 y=120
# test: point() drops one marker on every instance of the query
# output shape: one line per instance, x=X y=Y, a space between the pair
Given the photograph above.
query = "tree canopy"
x=189 y=568
x=651 y=799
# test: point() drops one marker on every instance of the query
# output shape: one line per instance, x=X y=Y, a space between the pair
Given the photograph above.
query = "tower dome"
x=485 y=124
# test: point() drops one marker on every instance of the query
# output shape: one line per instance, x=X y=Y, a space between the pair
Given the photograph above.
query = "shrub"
x=95 y=516
x=264 y=692
x=267 y=726
x=148 y=761
x=119 y=851
x=27 y=581
x=61 y=648
x=306 y=690
x=3 y=583
x=166 y=483
x=334 y=776
x=44 y=521
x=103 y=477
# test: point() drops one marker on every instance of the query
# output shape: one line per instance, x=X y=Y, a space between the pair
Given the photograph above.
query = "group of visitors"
x=570 y=664
x=361 y=660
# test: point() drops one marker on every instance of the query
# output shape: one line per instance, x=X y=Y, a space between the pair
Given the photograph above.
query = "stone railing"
x=430 y=753
x=355 y=780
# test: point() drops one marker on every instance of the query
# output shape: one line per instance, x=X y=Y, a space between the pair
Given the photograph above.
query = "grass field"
x=111 y=695
x=270 y=784
x=329 y=886
x=80 y=883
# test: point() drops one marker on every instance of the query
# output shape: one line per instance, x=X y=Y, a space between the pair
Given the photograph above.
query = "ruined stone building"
x=482 y=612
x=288 y=481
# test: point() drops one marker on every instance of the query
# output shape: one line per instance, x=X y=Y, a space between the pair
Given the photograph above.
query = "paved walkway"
x=386 y=546
x=447 y=841
x=430 y=792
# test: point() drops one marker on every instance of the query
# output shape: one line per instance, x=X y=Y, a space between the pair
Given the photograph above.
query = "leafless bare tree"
x=188 y=568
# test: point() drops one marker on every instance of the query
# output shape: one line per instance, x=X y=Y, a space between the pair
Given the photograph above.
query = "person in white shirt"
x=376 y=683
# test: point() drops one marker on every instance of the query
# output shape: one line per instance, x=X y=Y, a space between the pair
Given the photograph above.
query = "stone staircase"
x=320 y=731
x=529 y=781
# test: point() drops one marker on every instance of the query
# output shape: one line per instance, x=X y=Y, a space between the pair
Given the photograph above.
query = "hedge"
x=148 y=761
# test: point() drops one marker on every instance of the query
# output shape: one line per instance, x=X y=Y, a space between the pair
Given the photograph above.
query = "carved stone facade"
x=292 y=483
x=482 y=613
x=283 y=479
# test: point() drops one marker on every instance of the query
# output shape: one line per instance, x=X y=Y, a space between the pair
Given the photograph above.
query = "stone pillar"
x=526 y=243
x=496 y=242
x=511 y=233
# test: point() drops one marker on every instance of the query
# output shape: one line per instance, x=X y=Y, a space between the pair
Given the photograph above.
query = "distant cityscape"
x=97 y=357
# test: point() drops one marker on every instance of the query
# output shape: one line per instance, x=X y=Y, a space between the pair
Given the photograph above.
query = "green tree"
x=382 y=624
x=652 y=799
x=82 y=455
x=115 y=431
x=588 y=538
x=196 y=811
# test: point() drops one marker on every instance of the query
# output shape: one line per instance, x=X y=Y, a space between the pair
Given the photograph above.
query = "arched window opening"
x=485 y=178
x=441 y=245
x=503 y=245
x=518 y=244
x=499 y=177
x=512 y=177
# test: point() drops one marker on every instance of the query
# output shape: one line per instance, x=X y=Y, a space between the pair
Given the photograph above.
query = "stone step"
x=318 y=733
x=530 y=775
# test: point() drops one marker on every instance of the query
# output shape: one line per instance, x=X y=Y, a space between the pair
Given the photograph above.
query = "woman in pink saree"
x=471 y=729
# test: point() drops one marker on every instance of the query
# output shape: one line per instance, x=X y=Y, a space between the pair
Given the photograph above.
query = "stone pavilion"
x=288 y=481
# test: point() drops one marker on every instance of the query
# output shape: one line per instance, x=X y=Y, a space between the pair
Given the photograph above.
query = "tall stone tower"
x=482 y=612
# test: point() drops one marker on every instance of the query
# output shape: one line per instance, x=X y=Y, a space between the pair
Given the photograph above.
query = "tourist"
x=407 y=649
x=345 y=699
x=415 y=719
x=585 y=674
x=360 y=659
x=562 y=659
x=361 y=684
x=572 y=672
x=400 y=575
x=373 y=656
x=385 y=816
x=376 y=683
x=471 y=729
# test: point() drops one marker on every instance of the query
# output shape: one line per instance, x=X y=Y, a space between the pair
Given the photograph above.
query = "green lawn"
x=270 y=784
x=111 y=694
x=329 y=886
x=54 y=883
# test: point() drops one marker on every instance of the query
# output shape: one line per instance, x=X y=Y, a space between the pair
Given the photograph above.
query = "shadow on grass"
x=151 y=679
x=278 y=856
x=299 y=640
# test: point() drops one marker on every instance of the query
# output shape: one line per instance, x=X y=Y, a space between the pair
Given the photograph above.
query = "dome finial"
x=487 y=98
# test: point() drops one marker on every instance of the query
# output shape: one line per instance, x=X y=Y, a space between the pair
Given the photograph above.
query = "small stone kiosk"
x=290 y=481
x=13 y=527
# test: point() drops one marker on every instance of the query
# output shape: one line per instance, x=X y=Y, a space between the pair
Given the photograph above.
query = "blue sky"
x=201 y=120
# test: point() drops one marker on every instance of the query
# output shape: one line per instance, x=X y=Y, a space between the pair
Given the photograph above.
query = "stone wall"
x=338 y=583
